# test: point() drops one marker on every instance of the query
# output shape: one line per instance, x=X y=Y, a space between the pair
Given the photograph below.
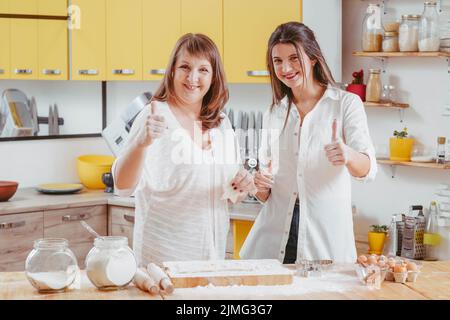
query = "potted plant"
x=357 y=86
x=401 y=146
x=377 y=237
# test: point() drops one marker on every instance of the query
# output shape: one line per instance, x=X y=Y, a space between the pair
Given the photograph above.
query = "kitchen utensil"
x=7 y=189
x=231 y=118
x=59 y=188
x=189 y=274
x=51 y=124
x=90 y=229
x=90 y=169
x=55 y=119
x=34 y=116
x=107 y=179
x=15 y=115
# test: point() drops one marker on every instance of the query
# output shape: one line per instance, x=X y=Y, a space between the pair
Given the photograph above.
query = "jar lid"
x=441 y=140
x=374 y=70
x=391 y=33
x=411 y=16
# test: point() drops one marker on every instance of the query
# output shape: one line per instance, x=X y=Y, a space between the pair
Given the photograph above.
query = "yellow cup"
x=401 y=149
x=90 y=169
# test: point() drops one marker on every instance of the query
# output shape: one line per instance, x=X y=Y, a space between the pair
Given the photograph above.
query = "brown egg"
x=399 y=268
x=372 y=260
x=362 y=259
x=411 y=266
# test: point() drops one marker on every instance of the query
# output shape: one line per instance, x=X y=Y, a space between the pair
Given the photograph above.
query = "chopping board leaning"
x=189 y=274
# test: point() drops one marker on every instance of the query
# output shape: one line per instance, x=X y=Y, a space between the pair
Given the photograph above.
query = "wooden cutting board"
x=189 y=274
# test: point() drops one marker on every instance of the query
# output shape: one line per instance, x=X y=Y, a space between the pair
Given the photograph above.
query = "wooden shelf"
x=396 y=105
x=401 y=54
x=431 y=165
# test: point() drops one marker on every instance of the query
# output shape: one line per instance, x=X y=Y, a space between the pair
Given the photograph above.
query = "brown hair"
x=217 y=96
x=300 y=36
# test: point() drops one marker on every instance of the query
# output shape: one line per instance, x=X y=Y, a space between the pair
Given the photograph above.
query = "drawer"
x=121 y=222
x=65 y=223
x=17 y=235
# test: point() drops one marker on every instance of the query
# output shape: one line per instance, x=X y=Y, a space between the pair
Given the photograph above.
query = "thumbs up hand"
x=155 y=125
x=337 y=151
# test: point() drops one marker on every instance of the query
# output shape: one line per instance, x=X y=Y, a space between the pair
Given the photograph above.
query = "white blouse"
x=301 y=169
x=179 y=213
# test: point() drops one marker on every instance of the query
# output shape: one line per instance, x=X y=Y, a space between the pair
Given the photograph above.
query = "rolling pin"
x=160 y=277
x=144 y=282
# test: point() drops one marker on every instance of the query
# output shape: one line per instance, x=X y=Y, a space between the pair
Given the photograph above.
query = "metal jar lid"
x=411 y=16
x=441 y=140
x=391 y=34
x=374 y=70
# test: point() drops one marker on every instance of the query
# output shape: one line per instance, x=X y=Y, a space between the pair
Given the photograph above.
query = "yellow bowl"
x=90 y=169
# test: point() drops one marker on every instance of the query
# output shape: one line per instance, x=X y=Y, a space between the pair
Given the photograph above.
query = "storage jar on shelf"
x=408 y=38
x=390 y=42
x=373 y=91
x=429 y=28
x=372 y=32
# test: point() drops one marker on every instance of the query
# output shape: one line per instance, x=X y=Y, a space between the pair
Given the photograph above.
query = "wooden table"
x=432 y=283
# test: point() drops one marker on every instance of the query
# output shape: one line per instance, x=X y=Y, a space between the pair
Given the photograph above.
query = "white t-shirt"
x=179 y=214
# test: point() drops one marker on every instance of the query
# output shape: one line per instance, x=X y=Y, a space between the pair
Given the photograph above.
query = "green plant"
x=401 y=134
x=379 y=228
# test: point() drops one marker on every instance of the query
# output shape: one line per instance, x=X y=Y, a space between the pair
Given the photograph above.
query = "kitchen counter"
x=340 y=282
x=30 y=200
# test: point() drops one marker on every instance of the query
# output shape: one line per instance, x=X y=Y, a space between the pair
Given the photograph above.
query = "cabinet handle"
x=76 y=217
x=123 y=71
x=11 y=225
x=258 y=73
x=2 y=71
x=23 y=71
x=88 y=72
x=128 y=218
x=51 y=71
x=158 y=71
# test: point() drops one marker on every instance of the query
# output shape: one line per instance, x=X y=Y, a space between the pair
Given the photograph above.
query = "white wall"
x=424 y=84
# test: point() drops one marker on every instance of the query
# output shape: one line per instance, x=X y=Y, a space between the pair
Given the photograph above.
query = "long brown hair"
x=214 y=101
x=300 y=36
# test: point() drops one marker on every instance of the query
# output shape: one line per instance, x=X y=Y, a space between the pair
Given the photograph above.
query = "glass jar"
x=390 y=21
x=372 y=33
x=111 y=264
x=373 y=91
x=390 y=42
x=408 y=38
x=429 y=39
x=51 y=266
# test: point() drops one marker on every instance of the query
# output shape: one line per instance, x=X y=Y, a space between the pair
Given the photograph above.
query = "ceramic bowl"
x=7 y=189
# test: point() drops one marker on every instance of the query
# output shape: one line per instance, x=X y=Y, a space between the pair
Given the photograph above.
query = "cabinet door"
x=247 y=28
x=52 y=7
x=204 y=16
x=65 y=223
x=89 y=41
x=4 y=6
x=24 y=49
x=4 y=52
x=124 y=39
x=17 y=235
x=121 y=222
x=52 y=50
x=23 y=6
x=161 y=30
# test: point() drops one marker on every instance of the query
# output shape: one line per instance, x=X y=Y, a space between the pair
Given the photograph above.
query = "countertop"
x=30 y=200
x=340 y=282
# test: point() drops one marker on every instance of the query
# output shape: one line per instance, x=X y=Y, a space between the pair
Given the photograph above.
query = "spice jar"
x=51 y=266
x=373 y=92
x=111 y=264
x=372 y=33
x=390 y=42
x=429 y=28
x=408 y=38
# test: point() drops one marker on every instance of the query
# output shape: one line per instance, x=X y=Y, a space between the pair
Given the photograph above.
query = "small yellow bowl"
x=90 y=169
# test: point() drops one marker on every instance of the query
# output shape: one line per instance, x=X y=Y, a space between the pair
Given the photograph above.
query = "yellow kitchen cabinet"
x=124 y=39
x=53 y=50
x=4 y=52
x=247 y=28
x=4 y=6
x=23 y=6
x=161 y=30
x=24 y=49
x=241 y=229
x=89 y=40
x=204 y=16
x=52 y=7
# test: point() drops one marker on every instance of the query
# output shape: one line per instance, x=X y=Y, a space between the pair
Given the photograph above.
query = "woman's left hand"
x=244 y=182
x=337 y=151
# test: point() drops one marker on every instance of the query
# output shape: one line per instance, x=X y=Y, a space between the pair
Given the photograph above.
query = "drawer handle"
x=2 y=71
x=23 y=71
x=11 y=225
x=128 y=218
x=123 y=71
x=258 y=73
x=158 y=71
x=88 y=72
x=76 y=217
x=51 y=71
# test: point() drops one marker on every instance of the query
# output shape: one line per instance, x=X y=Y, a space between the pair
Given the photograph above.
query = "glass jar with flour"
x=51 y=266
x=429 y=39
x=408 y=38
x=111 y=263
